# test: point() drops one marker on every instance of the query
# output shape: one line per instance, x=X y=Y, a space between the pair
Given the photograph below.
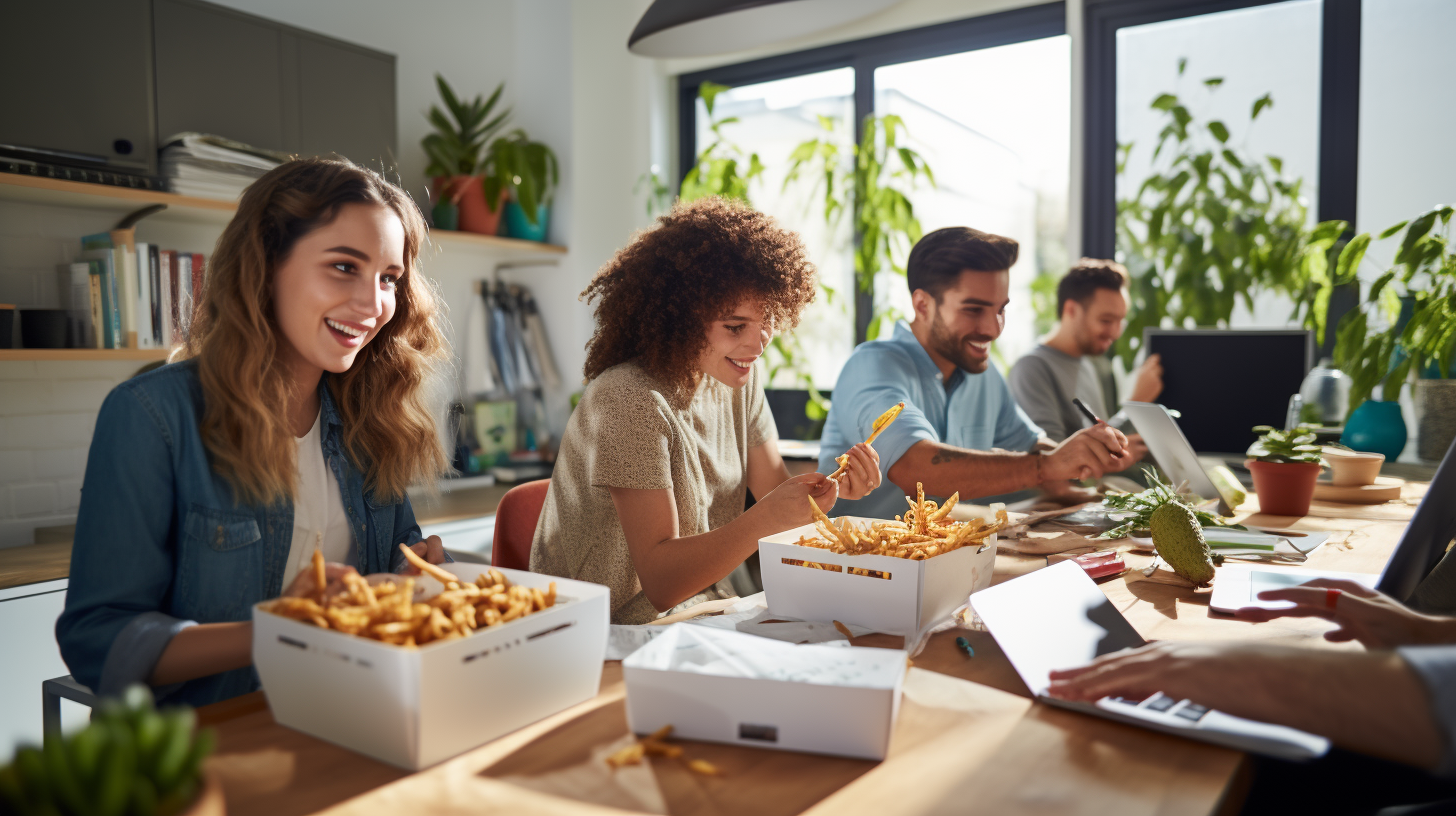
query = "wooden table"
x=968 y=740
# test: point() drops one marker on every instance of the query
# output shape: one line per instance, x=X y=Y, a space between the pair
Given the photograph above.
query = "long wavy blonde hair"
x=389 y=431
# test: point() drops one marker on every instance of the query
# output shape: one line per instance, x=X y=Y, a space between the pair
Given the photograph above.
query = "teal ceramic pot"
x=446 y=216
x=1376 y=427
x=518 y=227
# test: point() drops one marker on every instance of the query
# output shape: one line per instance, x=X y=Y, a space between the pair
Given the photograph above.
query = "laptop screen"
x=1053 y=618
x=1424 y=542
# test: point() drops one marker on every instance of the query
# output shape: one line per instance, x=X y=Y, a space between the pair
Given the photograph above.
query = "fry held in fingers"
x=388 y=611
x=923 y=532
x=881 y=423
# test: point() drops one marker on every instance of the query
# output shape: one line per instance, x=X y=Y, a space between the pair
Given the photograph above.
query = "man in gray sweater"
x=1092 y=300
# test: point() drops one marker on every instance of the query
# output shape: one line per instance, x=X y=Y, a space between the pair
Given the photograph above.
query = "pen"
x=1087 y=412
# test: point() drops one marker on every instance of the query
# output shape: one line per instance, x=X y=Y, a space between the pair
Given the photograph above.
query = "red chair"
x=515 y=524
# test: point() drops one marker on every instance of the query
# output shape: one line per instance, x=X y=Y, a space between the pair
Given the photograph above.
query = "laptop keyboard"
x=1161 y=703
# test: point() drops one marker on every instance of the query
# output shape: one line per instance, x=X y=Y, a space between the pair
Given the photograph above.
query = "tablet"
x=1170 y=448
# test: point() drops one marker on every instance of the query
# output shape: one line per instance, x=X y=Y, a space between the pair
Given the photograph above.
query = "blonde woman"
x=296 y=420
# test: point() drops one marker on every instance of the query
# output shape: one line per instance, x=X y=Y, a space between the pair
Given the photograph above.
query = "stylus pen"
x=1087 y=412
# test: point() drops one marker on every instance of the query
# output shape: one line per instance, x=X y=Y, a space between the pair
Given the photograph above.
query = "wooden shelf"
x=58 y=192
x=50 y=355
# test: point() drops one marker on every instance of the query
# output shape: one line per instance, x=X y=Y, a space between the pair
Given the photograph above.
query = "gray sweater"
x=1045 y=380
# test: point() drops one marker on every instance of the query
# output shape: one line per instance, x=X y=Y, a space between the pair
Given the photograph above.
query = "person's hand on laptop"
x=1375 y=620
x=1136 y=447
x=1378 y=706
x=1149 y=383
x=1087 y=454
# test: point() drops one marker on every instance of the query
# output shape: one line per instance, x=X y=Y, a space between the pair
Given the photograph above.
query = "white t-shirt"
x=319 y=519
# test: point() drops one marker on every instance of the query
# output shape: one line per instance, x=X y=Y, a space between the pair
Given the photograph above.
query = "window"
x=1406 y=165
x=772 y=119
x=937 y=79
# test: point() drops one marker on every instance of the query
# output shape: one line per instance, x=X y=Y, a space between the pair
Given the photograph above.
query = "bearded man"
x=961 y=430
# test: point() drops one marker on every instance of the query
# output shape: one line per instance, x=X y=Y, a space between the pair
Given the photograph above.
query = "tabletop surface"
x=968 y=738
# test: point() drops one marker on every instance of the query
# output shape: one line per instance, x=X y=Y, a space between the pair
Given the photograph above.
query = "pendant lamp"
x=700 y=28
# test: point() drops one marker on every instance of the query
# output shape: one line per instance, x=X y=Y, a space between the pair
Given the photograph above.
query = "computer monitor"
x=1223 y=382
x=1423 y=544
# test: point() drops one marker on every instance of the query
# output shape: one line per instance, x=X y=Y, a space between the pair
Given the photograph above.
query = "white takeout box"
x=916 y=596
x=415 y=707
x=720 y=685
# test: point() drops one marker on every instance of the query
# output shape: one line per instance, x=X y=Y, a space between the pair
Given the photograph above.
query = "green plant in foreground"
x=1296 y=446
x=1142 y=504
x=132 y=760
x=1425 y=272
x=456 y=147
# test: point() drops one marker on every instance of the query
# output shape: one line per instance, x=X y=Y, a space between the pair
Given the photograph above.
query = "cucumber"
x=143 y=797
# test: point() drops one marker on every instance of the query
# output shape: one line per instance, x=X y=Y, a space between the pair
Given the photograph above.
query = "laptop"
x=1057 y=618
x=1171 y=450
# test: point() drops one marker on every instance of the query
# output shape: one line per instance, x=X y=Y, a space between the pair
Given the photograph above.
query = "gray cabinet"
x=219 y=72
x=250 y=79
x=108 y=79
x=346 y=102
x=78 y=78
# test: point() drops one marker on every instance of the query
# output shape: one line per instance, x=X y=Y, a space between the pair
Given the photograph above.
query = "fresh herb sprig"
x=1297 y=446
x=1141 y=506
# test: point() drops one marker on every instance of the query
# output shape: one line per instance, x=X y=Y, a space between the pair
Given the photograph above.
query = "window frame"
x=864 y=56
x=1338 y=132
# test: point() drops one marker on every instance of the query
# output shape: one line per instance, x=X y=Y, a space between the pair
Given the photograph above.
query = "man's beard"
x=953 y=348
x=1090 y=344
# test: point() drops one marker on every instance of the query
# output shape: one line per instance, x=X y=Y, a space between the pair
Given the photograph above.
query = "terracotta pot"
x=1283 y=488
x=474 y=215
x=1351 y=469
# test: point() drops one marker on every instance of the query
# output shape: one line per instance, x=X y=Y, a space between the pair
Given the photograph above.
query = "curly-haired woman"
x=296 y=420
x=649 y=487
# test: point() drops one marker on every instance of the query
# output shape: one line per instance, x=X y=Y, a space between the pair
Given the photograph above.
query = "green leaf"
x=1165 y=102
x=1389 y=231
x=1213 y=82
x=1265 y=101
x=708 y=91
x=1182 y=64
x=1276 y=163
x=1219 y=131
x=1350 y=257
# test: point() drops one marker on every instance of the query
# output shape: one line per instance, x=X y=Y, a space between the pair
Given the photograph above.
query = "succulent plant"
x=1297 y=446
x=132 y=760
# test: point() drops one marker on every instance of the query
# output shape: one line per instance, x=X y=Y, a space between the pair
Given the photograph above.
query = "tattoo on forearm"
x=945 y=455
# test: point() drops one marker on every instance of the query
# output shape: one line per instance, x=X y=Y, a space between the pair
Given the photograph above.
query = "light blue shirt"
x=974 y=411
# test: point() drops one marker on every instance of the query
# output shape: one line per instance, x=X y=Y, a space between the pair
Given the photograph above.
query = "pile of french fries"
x=654 y=745
x=923 y=532
x=388 y=612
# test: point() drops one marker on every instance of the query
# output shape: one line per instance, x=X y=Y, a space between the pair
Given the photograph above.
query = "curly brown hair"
x=656 y=297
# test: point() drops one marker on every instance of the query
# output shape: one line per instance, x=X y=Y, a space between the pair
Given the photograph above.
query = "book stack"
x=122 y=293
x=197 y=164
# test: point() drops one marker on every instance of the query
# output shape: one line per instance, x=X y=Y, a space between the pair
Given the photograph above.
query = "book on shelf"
x=76 y=297
x=147 y=293
x=104 y=264
x=99 y=338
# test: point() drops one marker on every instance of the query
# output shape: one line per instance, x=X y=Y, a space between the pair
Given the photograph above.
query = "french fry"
x=881 y=423
x=320 y=578
x=631 y=755
x=426 y=567
x=389 y=613
x=923 y=532
x=704 y=767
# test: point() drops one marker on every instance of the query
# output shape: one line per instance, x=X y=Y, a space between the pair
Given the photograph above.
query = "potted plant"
x=131 y=759
x=456 y=151
x=1416 y=299
x=1285 y=465
x=527 y=173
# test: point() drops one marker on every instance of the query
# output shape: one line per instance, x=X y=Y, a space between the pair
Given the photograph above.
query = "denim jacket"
x=162 y=544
